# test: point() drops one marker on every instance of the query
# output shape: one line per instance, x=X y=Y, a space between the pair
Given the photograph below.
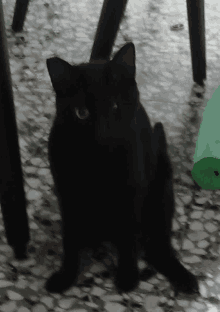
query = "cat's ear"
x=125 y=58
x=60 y=74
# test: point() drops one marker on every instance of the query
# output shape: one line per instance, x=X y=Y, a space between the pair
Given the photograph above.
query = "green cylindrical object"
x=206 y=170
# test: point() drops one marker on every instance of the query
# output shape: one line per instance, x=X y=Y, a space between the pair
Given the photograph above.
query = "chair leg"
x=109 y=21
x=21 y=7
x=196 y=22
x=12 y=196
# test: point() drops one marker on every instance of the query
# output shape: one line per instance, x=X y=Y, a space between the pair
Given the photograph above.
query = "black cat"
x=112 y=173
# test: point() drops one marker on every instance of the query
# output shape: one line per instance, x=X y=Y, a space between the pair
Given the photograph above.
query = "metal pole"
x=12 y=197
x=109 y=21
x=21 y=7
x=196 y=22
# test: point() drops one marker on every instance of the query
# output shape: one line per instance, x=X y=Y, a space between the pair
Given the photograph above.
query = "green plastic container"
x=206 y=170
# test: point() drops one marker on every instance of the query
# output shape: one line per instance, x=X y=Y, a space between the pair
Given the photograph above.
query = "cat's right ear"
x=125 y=59
x=60 y=74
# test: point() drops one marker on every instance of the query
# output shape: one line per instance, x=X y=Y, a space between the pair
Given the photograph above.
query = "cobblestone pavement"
x=66 y=28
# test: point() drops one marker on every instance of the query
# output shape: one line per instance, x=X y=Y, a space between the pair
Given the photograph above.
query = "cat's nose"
x=103 y=129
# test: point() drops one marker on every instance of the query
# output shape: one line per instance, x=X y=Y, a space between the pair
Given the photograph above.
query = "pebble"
x=33 y=195
x=163 y=299
x=182 y=219
x=186 y=179
x=91 y=304
x=23 y=309
x=36 y=161
x=170 y=302
x=151 y=302
x=12 y=295
x=217 y=217
x=30 y=169
x=203 y=290
x=33 y=183
x=2 y=275
x=33 y=226
x=145 y=286
x=210 y=283
x=112 y=307
x=196 y=226
x=5 y=283
x=201 y=200
x=175 y=226
x=203 y=244
x=66 y=303
x=187 y=244
x=21 y=284
x=199 y=251
x=97 y=291
x=197 y=236
x=39 y=308
x=107 y=298
x=197 y=207
x=196 y=214
x=186 y=199
x=198 y=306
x=212 y=308
x=180 y=210
x=183 y=303
x=209 y=214
x=44 y=172
x=193 y=259
x=9 y=307
x=210 y=227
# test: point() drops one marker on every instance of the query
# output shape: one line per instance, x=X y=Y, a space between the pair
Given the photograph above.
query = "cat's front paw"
x=59 y=282
x=20 y=252
x=126 y=280
x=186 y=283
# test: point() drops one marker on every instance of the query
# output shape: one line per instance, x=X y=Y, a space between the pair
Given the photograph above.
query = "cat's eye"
x=82 y=113
x=115 y=106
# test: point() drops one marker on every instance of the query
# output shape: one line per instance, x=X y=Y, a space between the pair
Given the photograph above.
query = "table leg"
x=196 y=22
x=12 y=197
x=109 y=21
x=21 y=7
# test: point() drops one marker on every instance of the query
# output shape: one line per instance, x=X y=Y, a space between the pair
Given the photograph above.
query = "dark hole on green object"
x=216 y=173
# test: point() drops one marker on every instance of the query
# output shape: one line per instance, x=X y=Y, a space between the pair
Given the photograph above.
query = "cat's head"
x=103 y=95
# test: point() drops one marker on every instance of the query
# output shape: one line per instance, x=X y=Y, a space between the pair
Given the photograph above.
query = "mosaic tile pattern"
x=67 y=29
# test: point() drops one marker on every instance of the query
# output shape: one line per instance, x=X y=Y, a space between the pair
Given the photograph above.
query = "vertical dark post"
x=109 y=21
x=12 y=197
x=196 y=22
x=19 y=14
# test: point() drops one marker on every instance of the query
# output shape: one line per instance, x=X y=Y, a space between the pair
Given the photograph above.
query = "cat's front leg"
x=127 y=275
x=60 y=281
x=163 y=259
x=67 y=275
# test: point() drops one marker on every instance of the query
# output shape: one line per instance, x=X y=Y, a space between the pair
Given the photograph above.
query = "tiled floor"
x=67 y=28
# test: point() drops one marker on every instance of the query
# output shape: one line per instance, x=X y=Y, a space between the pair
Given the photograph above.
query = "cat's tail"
x=163 y=164
x=159 y=138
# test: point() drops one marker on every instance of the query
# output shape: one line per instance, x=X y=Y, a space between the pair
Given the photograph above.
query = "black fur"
x=112 y=173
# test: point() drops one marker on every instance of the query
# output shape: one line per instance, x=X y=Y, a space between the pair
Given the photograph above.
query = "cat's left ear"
x=126 y=57
x=60 y=74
